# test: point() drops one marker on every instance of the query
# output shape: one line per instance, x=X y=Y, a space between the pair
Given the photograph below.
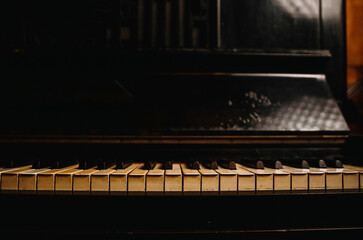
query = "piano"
x=176 y=119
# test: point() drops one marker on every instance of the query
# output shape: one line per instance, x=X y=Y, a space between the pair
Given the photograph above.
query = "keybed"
x=181 y=178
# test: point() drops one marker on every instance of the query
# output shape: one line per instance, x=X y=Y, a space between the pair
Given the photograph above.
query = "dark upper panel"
x=172 y=105
x=270 y=24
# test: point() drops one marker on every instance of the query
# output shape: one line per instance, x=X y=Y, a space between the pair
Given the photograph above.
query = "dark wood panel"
x=270 y=24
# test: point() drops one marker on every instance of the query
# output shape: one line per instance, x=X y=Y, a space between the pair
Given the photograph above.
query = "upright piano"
x=176 y=119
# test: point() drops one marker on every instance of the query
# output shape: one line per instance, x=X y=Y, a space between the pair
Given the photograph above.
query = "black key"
x=167 y=165
x=148 y=165
x=62 y=163
x=335 y=161
x=104 y=164
x=229 y=164
x=122 y=164
x=253 y=163
x=13 y=162
x=296 y=162
x=318 y=163
x=87 y=164
x=276 y=164
x=210 y=164
x=195 y=165
x=39 y=163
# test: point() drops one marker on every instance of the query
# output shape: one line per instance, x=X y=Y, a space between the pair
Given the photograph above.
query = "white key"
x=246 y=179
x=209 y=180
x=264 y=179
x=119 y=179
x=299 y=178
x=137 y=179
x=64 y=179
x=227 y=179
x=82 y=180
x=173 y=179
x=100 y=180
x=191 y=179
x=46 y=180
x=155 y=179
x=28 y=179
x=9 y=179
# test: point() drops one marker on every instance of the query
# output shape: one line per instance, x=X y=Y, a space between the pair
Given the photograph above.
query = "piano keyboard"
x=180 y=178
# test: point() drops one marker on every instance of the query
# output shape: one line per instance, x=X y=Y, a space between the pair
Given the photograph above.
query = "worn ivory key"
x=82 y=180
x=316 y=179
x=173 y=179
x=282 y=179
x=137 y=179
x=28 y=179
x=264 y=178
x=299 y=178
x=64 y=179
x=359 y=171
x=246 y=179
x=118 y=179
x=227 y=179
x=191 y=179
x=9 y=179
x=155 y=179
x=46 y=180
x=100 y=180
x=209 y=179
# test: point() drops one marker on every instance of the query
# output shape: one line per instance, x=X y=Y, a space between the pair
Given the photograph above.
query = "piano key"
x=87 y=164
x=282 y=179
x=155 y=179
x=333 y=178
x=195 y=165
x=209 y=179
x=173 y=179
x=122 y=164
x=63 y=163
x=104 y=164
x=299 y=178
x=150 y=164
x=137 y=179
x=167 y=165
x=229 y=164
x=316 y=179
x=64 y=179
x=191 y=179
x=46 y=180
x=273 y=164
x=118 y=179
x=40 y=163
x=82 y=180
x=295 y=162
x=100 y=180
x=9 y=179
x=359 y=171
x=317 y=163
x=28 y=180
x=209 y=165
x=246 y=180
x=252 y=163
x=350 y=179
x=264 y=179
x=227 y=179
x=335 y=161
x=6 y=169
